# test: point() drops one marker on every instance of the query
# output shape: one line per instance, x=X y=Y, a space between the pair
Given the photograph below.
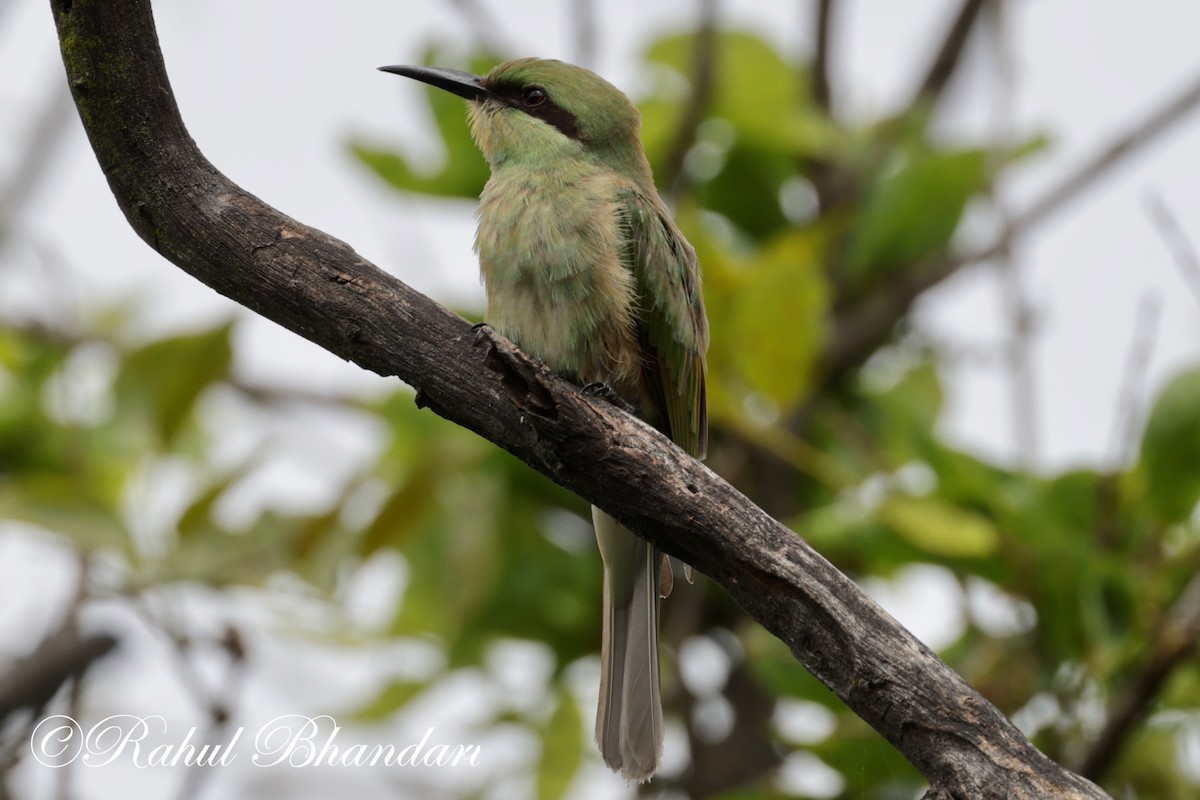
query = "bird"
x=584 y=268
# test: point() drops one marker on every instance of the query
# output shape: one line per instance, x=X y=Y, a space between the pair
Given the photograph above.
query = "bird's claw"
x=606 y=392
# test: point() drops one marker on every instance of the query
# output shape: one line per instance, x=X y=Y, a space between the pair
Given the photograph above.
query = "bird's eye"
x=533 y=96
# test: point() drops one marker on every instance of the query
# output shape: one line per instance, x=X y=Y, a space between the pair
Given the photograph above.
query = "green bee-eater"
x=584 y=268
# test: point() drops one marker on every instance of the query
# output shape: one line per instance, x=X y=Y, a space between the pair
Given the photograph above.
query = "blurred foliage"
x=1077 y=571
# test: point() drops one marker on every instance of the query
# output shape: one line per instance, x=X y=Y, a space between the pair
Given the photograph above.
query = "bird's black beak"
x=463 y=84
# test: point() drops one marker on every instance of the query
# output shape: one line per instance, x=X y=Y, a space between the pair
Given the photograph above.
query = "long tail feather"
x=629 y=722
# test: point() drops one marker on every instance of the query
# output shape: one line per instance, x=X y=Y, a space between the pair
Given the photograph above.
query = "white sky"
x=271 y=89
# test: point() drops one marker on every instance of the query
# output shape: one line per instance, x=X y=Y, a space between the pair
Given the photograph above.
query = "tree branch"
x=320 y=288
x=1176 y=641
x=862 y=330
x=1185 y=255
x=821 y=91
x=61 y=656
x=673 y=177
x=949 y=56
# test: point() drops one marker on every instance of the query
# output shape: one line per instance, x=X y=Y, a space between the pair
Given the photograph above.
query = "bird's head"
x=535 y=112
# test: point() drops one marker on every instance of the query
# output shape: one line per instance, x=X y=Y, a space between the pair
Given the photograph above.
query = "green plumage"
x=672 y=327
x=582 y=263
x=585 y=269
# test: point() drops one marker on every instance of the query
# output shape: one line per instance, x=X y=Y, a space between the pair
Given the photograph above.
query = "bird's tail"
x=629 y=721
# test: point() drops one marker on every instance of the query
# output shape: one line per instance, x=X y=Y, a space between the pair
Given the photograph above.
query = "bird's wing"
x=671 y=322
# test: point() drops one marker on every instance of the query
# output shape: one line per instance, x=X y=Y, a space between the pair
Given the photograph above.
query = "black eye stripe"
x=538 y=102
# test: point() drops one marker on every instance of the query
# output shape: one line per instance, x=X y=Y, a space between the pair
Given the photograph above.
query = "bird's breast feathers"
x=550 y=251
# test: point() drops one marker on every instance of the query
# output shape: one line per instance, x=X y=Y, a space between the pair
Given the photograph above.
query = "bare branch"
x=949 y=56
x=1176 y=642
x=320 y=288
x=1133 y=382
x=1017 y=304
x=703 y=74
x=1124 y=436
x=862 y=330
x=218 y=700
x=832 y=181
x=821 y=91
x=61 y=657
x=1123 y=146
x=1177 y=242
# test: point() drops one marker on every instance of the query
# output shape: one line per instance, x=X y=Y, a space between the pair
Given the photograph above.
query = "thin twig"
x=218 y=703
x=231 y=643
x=83 y=584
x=1175 y=643
x=180 y=649
x=949 y=56
x=1020 y=312
x=833 y=181
x=1124 y=145
x=931 y=88
x=703 y=76
x=821 y=91
x=1133 y=382
x=61 y=656
x=1186 y=257
x=1126 y=418
x=861 y=331
x=923 y=102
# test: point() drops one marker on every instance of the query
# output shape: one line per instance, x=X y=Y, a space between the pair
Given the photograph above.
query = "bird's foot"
x=483 y=332
x=606 y=392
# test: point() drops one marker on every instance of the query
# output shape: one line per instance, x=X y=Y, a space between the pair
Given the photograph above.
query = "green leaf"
x=462 y=175
x=165 y=378
x=562 y=749
x=1170 y=453
x=915 y=212
x=904 y=413
x=1067 y=510
x=746 y=191
x=404 y=509
x=773 y=327
x=1021 y=150
x=940 y=528
x=763 y=95
x=57 y=504
x=758 y=122
x=197 y=518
